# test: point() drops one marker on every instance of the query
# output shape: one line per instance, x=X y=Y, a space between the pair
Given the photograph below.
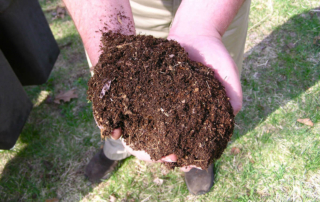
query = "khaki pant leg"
x=234 y=38
x=114 y=149
x=154 y=17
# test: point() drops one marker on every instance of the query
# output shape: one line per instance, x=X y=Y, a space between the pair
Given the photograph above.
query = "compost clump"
x=163 y=102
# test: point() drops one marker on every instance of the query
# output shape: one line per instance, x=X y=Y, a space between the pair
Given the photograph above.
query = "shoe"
x=99 y=167
x=199 y=181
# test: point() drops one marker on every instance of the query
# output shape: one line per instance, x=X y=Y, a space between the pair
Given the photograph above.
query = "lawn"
x=272 y=156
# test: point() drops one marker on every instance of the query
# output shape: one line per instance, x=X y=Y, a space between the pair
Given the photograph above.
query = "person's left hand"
x=144 y=156
x=141 y=155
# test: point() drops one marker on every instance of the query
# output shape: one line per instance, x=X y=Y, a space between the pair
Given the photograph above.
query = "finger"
x=169 y=158
x=185 y=169
x=141 y=155
x=116 y=134
x=188 y=168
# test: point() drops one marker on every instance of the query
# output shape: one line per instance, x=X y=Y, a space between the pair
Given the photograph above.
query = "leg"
x=234 y=38
x=154 y=17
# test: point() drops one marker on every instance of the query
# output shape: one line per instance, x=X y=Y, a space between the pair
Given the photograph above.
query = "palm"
x=211 y=52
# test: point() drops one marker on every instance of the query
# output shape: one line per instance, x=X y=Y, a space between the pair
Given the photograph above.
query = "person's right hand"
x=210 y=51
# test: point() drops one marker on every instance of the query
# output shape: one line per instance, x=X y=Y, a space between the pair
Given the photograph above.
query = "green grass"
x=279 y=158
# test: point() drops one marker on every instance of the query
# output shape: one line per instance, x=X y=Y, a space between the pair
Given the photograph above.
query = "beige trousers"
x=154 y=17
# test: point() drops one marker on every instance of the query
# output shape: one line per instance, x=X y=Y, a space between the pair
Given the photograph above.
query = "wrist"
x=188 y=28
x=92 y=17
x=202 y=17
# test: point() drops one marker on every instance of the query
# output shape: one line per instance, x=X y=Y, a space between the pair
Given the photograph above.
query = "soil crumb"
x=163 y=102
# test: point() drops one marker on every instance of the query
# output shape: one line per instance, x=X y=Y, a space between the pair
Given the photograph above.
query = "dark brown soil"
x=163 y=102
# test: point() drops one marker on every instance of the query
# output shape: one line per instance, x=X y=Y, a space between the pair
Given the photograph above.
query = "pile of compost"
x=163 y=102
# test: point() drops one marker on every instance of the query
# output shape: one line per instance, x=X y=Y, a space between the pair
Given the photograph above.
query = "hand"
x=210 y=51
x=141 y=155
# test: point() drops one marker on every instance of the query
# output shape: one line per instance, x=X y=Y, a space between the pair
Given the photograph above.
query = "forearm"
x=206 y=18
x=92 y=17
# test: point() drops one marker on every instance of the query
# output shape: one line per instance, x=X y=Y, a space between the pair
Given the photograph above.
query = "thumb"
x=170 y=158
x=116 y=134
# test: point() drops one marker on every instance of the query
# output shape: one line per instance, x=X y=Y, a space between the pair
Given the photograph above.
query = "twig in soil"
x=120 y=46
x=162 y=110
x=236 y=125
x=265 y=18
x=146 y=199
x=119 y=20
x=265 y=64
x=208 y=87
x=65 y=45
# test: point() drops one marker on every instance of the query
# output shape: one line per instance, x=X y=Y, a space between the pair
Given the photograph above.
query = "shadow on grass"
x=50 y=164
x=47 y=148
x=276 y=71
x=279 y=69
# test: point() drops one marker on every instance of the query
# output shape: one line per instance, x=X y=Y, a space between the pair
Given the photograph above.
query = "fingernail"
x=168 y=160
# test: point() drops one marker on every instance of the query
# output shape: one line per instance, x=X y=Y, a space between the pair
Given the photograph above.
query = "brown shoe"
x=199 y=181
x=100 y=167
